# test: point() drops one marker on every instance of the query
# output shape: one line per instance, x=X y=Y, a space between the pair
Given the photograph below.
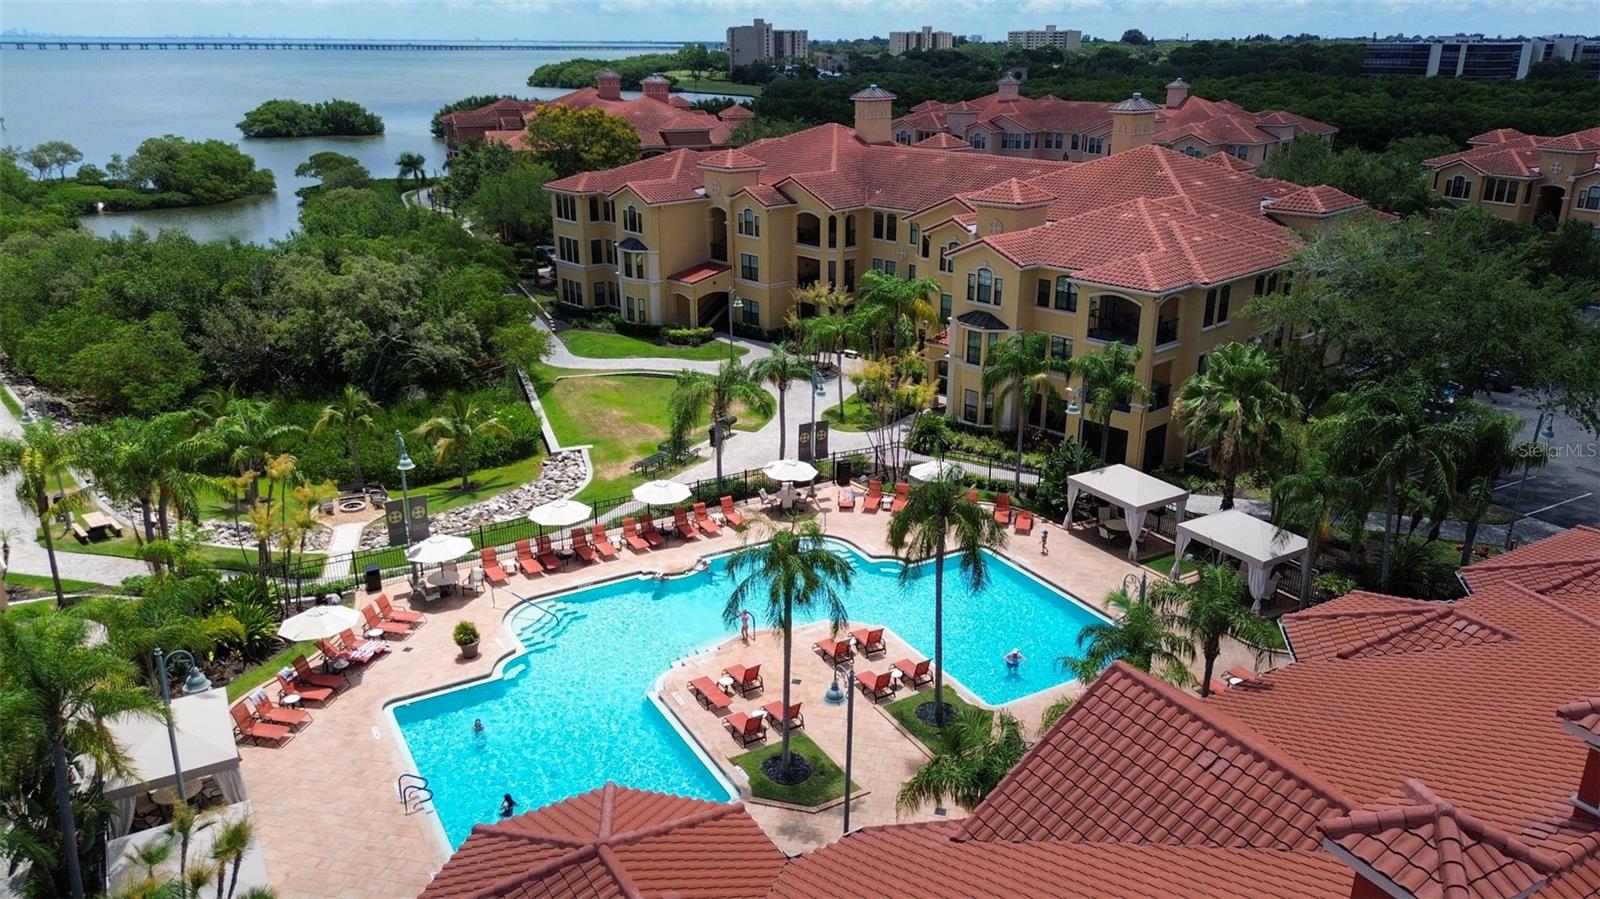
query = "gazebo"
x=1259 y=544
x=204 y=731
x=1136 y=492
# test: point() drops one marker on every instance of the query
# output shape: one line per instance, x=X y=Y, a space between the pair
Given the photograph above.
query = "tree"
x=696 y=59
x=1210 y=610
x=697 y=394
x=936 y=513
x=1490 y=449
x=250 y=437
x=52 y=156
x=1307 y=501
x=1142 y=635
x=780 y=369
x=352 y=413
x=891 y=302
x=334 y=170
x=453 y=432
x=1067 y=458
x=514 y=202
x=1236 y=410
x=976 y=750
x=229 y=849
x=797 y=569
x=1021 y=368
x=412 y=165
x=572 y=140
x=39 y=457
x=1109 y=379
x=749 y=131
x=293 y=118
x=1134 y=36
x=830 y=330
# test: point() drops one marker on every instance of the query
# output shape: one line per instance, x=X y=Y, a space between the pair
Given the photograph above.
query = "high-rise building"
x=926 y=39
x=1476 y=57
x=760 y=42
x=1070 y=39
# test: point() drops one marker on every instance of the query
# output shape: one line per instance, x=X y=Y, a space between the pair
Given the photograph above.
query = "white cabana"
x=1260 y=545
x=205 y=748
x=934 y=470
x=125 y=869
x=1136 y=492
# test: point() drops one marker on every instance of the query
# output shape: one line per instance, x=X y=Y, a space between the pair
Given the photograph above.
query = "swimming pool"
x=572 y=711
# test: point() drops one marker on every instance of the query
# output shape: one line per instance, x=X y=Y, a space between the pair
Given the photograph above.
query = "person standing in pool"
x=507 y=806
x=477 y=725
x=1014 y=659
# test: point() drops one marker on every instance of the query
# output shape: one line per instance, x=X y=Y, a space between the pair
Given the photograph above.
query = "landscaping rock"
x=563 y=475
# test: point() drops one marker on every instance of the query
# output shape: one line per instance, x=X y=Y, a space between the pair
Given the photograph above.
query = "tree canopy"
x=571 y=140
x=294 y=118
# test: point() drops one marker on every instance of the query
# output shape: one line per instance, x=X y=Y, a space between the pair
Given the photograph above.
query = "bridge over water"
x=15 y=42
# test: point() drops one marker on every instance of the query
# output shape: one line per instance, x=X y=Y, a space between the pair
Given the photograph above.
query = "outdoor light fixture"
x=734 y=305
x=195 y=682
x=404 y=465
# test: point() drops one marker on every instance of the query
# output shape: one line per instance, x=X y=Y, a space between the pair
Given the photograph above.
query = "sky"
x=706 y=19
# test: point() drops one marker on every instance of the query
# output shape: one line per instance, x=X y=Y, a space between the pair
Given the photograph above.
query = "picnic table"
x=94 y=525
x=650 y=463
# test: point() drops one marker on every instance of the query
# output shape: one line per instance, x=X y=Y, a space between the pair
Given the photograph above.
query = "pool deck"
x=325 y=804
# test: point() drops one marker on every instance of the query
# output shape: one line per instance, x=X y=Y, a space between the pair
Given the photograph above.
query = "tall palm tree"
x=411 y=165
x=39 y=457
x=977 y=748
x=1209 y=610
x=1236 y=410
x=232 y=844
x=831 y=330
x=454 y=431
x=888 y=301
x=780 y=369
x=1021 y=368
x=937 y=513
x=1109 y=378
x=1308 y=501
x=1491 y=449
x=59 y=693
x=247 y=433
x=352 y=413
x=1142 y=635
x=794 y=568
x=697 y=394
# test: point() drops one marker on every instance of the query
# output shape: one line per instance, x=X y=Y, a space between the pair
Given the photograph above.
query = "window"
x=877 y=225
x=1458 y=188
x=1192 y=150
x=1060 y=347
x=567 y=249
x=891 y=230
x=979 y=141
x=1261 y=285
x=946 y=264
x=632 y=220
x=945 y=303
x=571 y=292
x=566 y=208
x=974 y=347
x=981 y=287
x=749 y=267
x=969 y=406
x=750 y=313
x=877 y=264
x=1500 y=190
x=1066 y=294
x=1589 y=198
x=850 y=230
x=916 y=235
x=596 y=251
x=749 y=223
x=902 y=137
x=611 y=252
x=911 y=271
x=1094 y=146
x=833 y=272
x=1217 y=305
x=1272 y=283
x=1074 y=142
x=888 y=266
x=594 y=209
x=1053 y=141
x=633 y=265
x=849 y=274
x=833 y=231
x=926 y=245
x=608 y=212
x=988 y=408
x=1200 y=365
x=1042 y=299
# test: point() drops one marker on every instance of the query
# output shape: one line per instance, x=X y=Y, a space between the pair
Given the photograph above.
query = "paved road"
x=1566 y=491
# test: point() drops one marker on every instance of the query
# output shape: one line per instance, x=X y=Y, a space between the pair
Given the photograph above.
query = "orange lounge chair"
x=581 y=547
x=360 y=649
x=745 y=680
x=388 y=627
x=390 y=613
x=869 y=640
x=330 y=650
x=847 y=498
x=878 y=686
x=306 y=692
x=254 y=729
x=632 y=538
x=793 y=721
x=651 y=533
x=1024 y=522
x=267 y=710
x=680 y=520
x=702 y=520
x=918 y=673
x=547 y=554
x=835 y=651
x=601 y=543
x=730 y=515
x=1002 y=507
x=902 y=495
x=303 y=672
x=874 y=496
x=710 y=695
x=491 y=567
x=525 y=560
x=745 y=728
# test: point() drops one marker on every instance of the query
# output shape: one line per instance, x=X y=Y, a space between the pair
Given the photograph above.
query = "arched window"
x=749 y=223
x=984 y=287
x=1458 y=188
x=632 y=220
x=945 y=264
x=995 y=227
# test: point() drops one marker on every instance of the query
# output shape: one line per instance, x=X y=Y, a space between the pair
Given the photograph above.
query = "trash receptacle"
x=842 y=472
x=374 y=576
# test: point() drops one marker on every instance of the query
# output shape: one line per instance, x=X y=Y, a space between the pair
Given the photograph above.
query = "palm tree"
x=40 y=456
x=1307 y=502
x=831 y=330
x=229 y=849
x=1142 y=635
x=1236 y=410
x=352 y=412
x=61 y=693
x=1109 y=379
x=1020 y=368
x=411 y=164
x=696 y=393
x=887 y=300
x=795 y=568
x=977 y=748
x=454 y=431
x=936 y=513
x=1491 y=449
x=1209 y=610
x=781 y=369
x=249 y=436
x=1054 y=711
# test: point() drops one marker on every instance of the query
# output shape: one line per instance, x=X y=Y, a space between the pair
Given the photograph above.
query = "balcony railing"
x=808 y=237
x=1160 y=396
x=1125 y=330
x=1166 y=331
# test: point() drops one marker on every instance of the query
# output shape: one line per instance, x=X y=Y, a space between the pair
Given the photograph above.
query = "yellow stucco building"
x=1522 y=177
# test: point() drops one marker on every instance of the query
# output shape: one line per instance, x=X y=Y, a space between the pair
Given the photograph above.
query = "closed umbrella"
x=660 y=493
x=934 y=470
x=560 y=513
x=317 y=623
x=789 y=470
x=438 y=549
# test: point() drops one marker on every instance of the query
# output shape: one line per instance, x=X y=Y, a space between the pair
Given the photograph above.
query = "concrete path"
x=345 y=539
x=561 y=357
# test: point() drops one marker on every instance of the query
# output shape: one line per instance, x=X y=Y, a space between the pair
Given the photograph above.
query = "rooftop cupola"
x=1006 y=88
x=608 y=84
x=1177 y=92
x=1133 y=123
x=874 y=113
x=656 y=87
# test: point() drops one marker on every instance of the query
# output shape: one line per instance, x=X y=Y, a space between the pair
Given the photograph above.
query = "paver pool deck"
x=326 y=808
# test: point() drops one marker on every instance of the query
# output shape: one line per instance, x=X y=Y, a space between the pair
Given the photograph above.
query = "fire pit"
x=353 y=504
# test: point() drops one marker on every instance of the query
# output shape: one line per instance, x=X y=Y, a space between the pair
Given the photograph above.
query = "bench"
x=650 y=463
x=80 y=532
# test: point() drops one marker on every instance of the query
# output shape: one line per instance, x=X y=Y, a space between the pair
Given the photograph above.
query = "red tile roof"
x=1155 y=172
x=1011 y=192
x=736 y=112
x=614 y=842
x=1230 y=161
x=1496 y=136
x=1581 y=141
x=729 y=160
x=1583 y=715
x=942 y=141
x=696 y=274
x=1320 y=200
x=1509 y=153
x=655 y=122
x=1540 y=565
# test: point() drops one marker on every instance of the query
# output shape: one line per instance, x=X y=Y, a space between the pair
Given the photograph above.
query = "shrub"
x=466 y=633
x=930 y=433
x=1331 y=585
x=687 y=336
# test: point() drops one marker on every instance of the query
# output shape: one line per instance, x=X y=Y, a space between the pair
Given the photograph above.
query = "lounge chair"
x=710 y=695
x=581 y=547
x=651 y=534
x=632 y=538
x=847 y=499
x=869 y=640
x=745 y=728
x=525 y=560
x=254 y=729
x=266 y=710
x=874 y=496
x=389 y=628
x=918 y=673
x=792 y=721
x=390 y=613
x=304 y=672
x=680 y=521
x=333 y=652
x=1002 y=507
x=745 y=680
x=306 y=692
x=767 y=501
x=475 y=582
x=834 y=651
x=702 y=520
x=547 y=555
x=361 y=650
x=601 y=543
x=730 y=515
x=878 y=686
x=1024 y=522
x=902 y=495
x=491 y=567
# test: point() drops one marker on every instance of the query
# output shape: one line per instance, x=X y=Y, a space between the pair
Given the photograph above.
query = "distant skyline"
x=685 y=20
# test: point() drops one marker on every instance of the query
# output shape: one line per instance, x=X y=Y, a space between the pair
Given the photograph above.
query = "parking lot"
x=1566 y=491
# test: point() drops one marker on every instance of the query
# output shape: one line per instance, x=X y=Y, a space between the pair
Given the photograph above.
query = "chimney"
x=608 y=84
x=1582 y=720
x=874 y=114
x=656 y=87
x=1007 y=88
x=1177 y=92
x=1133 y=123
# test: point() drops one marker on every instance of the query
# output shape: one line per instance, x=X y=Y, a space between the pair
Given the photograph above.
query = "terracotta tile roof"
x=1319 y=200
x=667 y=166
x=729 y=160
x=736 y=112
x=766 y=195
x=1222 y=129
x=1549 y=561
x=614 y=842
x=655 y=122
x=1230 y=161
x=696 y=274
x=1154 y=172
x=1011 y=192
x=1366 y=625
x=872 y=92
x=1496 y=136
x=680 y=102
x=1583 y=715
x=1579 y=882
x=942 y=141
x=1577 y=140
x=1516 y=157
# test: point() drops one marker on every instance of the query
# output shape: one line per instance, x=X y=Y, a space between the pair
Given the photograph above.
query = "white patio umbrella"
x=789 y=470
x=438 y=549
x=660 y=493
x=933 y=470
x=317 y=623
x=560 y=513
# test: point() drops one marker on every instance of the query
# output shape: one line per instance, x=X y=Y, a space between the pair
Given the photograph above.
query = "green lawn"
x=10 y=403
x=486 y=482
x=611 y=345
x=1162 y=565
x=43 y=582
x=904 y=711
x=254 y=677
x=825 y=783
x=857 y=416
x=220 y=556
x=716 y=83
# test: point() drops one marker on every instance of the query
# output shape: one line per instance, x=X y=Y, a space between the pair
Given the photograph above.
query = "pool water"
x=572 y=711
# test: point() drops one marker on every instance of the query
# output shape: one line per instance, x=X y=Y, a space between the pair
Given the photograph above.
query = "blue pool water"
x=572 y=712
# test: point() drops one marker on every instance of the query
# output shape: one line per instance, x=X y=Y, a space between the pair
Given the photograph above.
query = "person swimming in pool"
x=477 y=725
x=507 y=806
x=1014 y=659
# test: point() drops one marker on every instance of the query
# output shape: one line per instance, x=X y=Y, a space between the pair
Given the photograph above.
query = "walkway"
x=561 y=357
x=345 y=540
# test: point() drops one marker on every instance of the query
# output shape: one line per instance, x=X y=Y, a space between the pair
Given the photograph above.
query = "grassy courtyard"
x=42 y=582
x=826 y=782
x=714 y=83
x=856 y=416
x=611 y=345
x=904 y=711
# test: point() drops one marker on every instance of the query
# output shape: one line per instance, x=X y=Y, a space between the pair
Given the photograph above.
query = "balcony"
x=1160 y=397
x=1125 y=330
x=808 y=230
x=1166 y=331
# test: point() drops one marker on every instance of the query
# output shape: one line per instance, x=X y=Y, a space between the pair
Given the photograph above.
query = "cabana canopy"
x=1259 y=544
x=205 y=747
x=1136 y=492
x=125 y=868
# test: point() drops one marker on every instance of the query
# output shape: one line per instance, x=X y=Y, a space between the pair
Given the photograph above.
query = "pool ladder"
x=413 y=790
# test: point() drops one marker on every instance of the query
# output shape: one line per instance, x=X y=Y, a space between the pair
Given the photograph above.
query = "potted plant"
x=466 y=637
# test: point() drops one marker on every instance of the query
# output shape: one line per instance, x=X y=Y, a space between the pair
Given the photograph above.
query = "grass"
x=826 y=782
x=225 y=557
x=43 y=582
x=254 y=677
x=904 y=711
x=487 y=482
x=10 y=402
x=1162 y=565
x=712 y=85
x=857 y=416
x=611 y=345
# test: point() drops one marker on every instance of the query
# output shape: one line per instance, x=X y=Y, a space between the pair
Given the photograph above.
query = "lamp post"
x=816 y=389
x=734 y=305
x=1541 y=428
x=405 y=464
x=849 y=736
x=195 y=682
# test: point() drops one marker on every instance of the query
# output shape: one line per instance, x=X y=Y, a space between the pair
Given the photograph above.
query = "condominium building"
x=1069 y=39
x=1006 y=123
x=1148 y=246
x=927 y=39
x=760 y=42
x=1477 y=57
x=1524 y=177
